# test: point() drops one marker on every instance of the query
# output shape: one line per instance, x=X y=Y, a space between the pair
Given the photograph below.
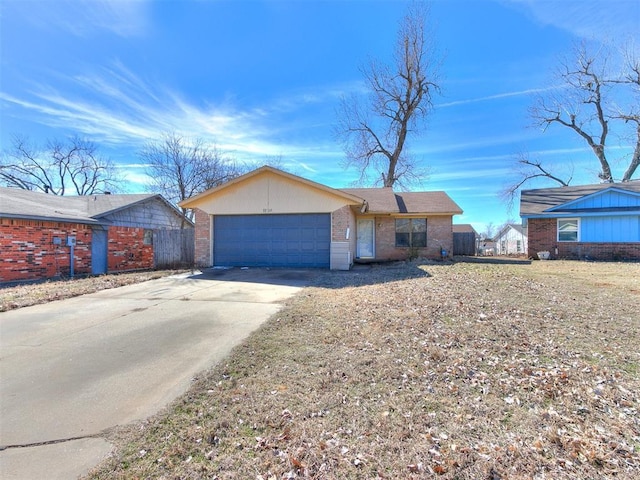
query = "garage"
x=272 y=240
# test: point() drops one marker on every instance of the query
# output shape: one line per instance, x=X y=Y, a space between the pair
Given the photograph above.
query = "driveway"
x=71 y=369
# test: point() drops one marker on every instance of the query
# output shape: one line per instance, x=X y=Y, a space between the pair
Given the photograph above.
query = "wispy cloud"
x=115 y=106
x=468 y=174
x=497 y=96
x=589 y=19
x=83 y=18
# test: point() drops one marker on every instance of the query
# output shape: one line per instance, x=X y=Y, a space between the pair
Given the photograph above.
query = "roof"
x=193 y=201
x=464 y=228
x=539 y=201
x=85 y=209
x=376 y=200
x=515 y=226
x=385 y=201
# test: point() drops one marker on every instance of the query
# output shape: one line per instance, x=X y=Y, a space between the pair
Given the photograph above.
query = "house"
x=465 y=239
x=486 y=246
x=511 y=240
x=599 y=222
x=106 y=233
x=270 y=218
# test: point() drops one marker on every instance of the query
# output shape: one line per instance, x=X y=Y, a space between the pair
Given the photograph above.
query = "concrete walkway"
x=71 y=369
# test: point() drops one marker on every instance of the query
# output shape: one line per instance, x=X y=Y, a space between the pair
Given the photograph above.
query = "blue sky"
x=263 y=79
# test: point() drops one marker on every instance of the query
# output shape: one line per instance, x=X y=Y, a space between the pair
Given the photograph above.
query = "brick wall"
x=202 y=238
x=342 y=219
x=28 y=252
x=439 y=235
x=543 y=237
x=127 y=251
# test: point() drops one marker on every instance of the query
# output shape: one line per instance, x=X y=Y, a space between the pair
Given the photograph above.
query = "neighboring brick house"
x=108 y=233
x=591 y=222
x=272 y=218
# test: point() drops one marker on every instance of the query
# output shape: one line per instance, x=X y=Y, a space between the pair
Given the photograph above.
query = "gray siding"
x=154 y=215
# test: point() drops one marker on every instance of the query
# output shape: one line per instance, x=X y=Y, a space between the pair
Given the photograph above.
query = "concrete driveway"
x=71 y=369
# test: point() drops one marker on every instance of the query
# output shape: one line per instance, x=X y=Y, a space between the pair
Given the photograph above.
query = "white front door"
x=366 y=238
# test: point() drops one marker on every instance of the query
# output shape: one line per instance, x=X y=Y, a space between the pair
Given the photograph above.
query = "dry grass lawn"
x=27 y=294
x=418 y=370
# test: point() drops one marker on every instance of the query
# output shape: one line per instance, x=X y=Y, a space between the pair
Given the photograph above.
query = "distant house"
x=511 y=240
x=270 y=218
x=599 y=222
x=486 y=246
x=108 y=233
x=465 y=239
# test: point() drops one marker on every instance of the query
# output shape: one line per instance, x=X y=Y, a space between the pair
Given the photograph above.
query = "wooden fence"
x=173 y=248
x=464 y=243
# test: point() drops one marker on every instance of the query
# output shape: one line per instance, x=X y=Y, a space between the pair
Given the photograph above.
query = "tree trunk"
x=635 y=160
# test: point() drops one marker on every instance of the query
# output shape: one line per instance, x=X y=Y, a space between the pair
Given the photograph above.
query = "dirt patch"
x=467 y=371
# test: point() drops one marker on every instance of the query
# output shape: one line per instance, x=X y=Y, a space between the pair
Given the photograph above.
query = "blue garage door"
x=296 y=240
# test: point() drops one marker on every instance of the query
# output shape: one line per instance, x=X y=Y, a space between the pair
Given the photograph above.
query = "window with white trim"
x=568 y=229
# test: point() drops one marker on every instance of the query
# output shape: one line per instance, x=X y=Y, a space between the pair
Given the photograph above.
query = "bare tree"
x=375 y=133
x=597 y=98
x=631 y=116
x=489 y=231
x=181 y=168
x=60 y=168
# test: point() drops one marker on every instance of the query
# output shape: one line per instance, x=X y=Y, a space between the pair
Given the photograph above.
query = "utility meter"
x=71 y=241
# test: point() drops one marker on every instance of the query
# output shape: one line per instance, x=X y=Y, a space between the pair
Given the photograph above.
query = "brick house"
x=268 y=217
x=594 y=222
x=108 y=233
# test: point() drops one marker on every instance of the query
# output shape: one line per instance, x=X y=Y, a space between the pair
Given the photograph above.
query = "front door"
x=99 y=245
x=366 y=238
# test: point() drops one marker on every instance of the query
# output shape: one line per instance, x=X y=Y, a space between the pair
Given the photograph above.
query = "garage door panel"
x=300 y=240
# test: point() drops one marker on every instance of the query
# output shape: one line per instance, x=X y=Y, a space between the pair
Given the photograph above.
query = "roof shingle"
x=385 y=200
x=538 y=201
x=87 y=209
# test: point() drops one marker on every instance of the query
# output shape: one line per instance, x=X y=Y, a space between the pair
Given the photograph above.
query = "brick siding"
x=543 y=236
x=28 y=251
x=341 y=220
x=202 y=238
x=439 y=235
x=127 y=251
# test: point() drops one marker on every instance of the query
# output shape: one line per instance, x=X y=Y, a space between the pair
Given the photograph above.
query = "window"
x=411 y=232
x=518 y=246
x=568 y=230
x=148 y=237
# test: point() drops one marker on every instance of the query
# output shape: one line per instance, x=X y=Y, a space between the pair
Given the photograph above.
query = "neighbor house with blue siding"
x=598 y=222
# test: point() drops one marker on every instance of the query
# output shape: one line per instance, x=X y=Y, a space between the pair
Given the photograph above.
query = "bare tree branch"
x=375 y=134
x=632 y=80
x=599 y=100
x=525 y=170
x=581 y=107
x=59 y=168
x=181 y=167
